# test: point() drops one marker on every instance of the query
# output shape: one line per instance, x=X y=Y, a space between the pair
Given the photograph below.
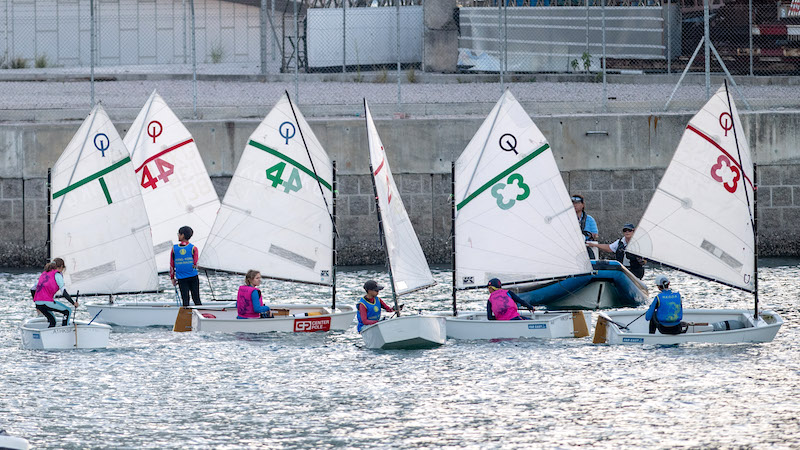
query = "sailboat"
x=513 y=220
x=702 y=221
x=176 y=190
x=99 y=226
x=277 y=216
x=408 y=268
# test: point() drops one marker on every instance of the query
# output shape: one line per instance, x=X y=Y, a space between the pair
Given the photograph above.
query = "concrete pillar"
x=441 y=36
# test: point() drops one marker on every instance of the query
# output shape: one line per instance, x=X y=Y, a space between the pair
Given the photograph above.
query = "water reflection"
x=154 y=388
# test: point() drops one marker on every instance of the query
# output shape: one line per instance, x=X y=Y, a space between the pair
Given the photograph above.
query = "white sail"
x=98 y=219
x=514 y=218
x=175 y=185
x=409 y=267
x=699 y=218
x=275 y=216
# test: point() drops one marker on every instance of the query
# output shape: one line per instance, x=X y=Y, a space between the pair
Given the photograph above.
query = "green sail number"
x=275 y=175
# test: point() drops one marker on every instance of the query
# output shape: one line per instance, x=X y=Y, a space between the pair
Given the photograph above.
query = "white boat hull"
x=12 y=442
x=609 y=328
x=144 y=314
x=543 y=325
x=36 y=335
x=406 y=332
x=301 y=319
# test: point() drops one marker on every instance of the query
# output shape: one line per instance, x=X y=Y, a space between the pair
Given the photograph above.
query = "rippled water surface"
x=153 y=388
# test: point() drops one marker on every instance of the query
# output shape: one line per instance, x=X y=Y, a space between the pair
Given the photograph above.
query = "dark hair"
x=186 y=231
x=56 y=263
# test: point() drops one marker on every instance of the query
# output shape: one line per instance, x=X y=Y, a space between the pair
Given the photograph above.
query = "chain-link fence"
x=402 y=55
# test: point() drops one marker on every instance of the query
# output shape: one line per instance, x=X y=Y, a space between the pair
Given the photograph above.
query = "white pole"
x=397 y=49
x=194 y=63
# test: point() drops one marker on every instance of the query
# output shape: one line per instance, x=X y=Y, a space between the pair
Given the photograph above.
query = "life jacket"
x=633 y=261
x=669 y=310
x=244 y=302
x=184 y=261
x=46 y=287
x=373 y=310
x=503 y=307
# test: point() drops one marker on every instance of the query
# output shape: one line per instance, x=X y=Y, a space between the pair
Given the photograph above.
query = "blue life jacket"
x=373 y=310
x=184 y=261
x=669 y=310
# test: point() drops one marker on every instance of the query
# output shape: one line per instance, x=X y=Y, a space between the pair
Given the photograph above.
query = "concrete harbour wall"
x=615 y=161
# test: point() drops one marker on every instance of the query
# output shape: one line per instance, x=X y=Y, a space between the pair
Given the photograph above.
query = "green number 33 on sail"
x=499 y=189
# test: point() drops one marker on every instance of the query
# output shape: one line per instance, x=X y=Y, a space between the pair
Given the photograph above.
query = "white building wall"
x=129 y=32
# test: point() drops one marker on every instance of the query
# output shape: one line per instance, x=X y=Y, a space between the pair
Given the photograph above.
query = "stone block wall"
x=613 y=198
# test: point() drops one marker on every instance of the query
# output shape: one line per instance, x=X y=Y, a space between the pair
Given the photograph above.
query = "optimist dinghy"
x=277 y=217
x=177 y=191
x=408 y=268
x=701 y=220
x=513 y=220
x=98 y=225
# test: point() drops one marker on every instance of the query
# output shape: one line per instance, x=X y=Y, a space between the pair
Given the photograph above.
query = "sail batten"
x=700 y=217
x=175 y=185
x=274 y=217
x=513 y=217
x=410 y=271
x=99 y=223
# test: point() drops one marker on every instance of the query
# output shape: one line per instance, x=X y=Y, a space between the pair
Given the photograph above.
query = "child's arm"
x=172 y=266
x=195 y=256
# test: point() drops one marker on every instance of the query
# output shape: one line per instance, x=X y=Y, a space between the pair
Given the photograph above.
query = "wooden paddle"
x=183 y=322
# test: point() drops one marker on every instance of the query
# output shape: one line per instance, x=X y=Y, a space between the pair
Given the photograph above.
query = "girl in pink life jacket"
x=249 y=304
x=50 y=282
x=502 y=304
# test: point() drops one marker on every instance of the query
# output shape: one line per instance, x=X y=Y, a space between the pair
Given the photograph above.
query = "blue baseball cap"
x=495 y=282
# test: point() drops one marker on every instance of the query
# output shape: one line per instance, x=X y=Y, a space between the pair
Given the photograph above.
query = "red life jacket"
x=47 y=287
x=244 y=302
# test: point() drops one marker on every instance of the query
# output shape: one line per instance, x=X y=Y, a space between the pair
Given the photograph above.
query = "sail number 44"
x=165 y=170
x=275 y=175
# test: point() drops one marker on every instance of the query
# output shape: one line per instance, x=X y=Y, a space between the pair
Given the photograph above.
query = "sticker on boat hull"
x=633 y=340
x=537 y=326
x=310 y=325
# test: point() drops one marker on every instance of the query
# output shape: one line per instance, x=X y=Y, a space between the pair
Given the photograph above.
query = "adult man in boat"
x=586 y=222
x=634 y=263
x=369 y=306
x=502 y=303
x=666 y=311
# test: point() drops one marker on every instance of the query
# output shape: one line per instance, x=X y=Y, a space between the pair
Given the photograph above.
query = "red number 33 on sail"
x=716 y=168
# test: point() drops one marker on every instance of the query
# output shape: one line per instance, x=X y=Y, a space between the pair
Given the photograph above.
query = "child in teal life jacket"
x=183 y=266
x=666 y=311
x=249 y=303
x=50 y=282
x=369 y=306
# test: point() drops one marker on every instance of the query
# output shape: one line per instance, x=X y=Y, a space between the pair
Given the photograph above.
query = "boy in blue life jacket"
x=666 y=311
x=183 y=266
x=370 y=305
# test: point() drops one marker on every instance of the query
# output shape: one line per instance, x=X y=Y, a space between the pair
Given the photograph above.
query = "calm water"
x=153 y=388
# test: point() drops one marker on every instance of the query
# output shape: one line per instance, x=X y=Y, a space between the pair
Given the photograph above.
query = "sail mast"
x=753 y=215
x=333 y=237
x=380 y=218
x=453 y=230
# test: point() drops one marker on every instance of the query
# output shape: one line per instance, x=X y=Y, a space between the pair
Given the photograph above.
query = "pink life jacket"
x=244 y=302
x=503 y=307
x=46 y=288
